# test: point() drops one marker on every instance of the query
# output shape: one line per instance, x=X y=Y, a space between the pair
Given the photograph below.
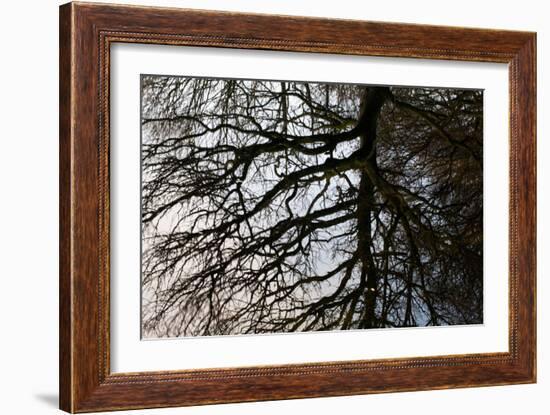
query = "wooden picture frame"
x=86 y=33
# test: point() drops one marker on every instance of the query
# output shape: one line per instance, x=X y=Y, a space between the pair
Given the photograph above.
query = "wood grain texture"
x=86 y=33
x=65 y=251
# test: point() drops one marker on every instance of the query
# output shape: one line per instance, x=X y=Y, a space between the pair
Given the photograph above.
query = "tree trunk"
x=371 y=103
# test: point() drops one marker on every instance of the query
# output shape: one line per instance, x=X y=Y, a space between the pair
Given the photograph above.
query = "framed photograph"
x=258 y=207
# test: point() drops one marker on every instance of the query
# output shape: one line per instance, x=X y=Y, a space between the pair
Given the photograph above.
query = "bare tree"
x=285 y=206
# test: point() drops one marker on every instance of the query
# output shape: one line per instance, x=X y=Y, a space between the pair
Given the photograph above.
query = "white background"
x=28 y=206
x=129 y=354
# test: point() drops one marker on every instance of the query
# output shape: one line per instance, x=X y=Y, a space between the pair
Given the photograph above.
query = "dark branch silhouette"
x=285 y=206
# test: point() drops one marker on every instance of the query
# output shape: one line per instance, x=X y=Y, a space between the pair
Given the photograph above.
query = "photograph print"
x=283 y=206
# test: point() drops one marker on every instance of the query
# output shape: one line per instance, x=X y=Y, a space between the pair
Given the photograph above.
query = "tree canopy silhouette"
x=271 y=206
